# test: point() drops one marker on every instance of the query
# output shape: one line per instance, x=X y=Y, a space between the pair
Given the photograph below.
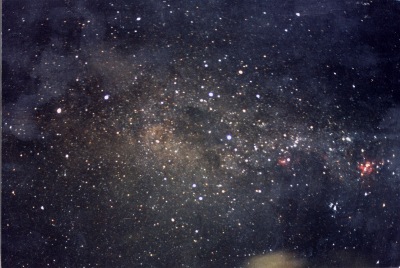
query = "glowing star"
x=366 y=168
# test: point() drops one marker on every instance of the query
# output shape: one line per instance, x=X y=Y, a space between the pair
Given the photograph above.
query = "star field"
x=221 y=134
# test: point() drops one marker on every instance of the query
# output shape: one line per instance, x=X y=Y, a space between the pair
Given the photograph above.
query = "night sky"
x=218 y=133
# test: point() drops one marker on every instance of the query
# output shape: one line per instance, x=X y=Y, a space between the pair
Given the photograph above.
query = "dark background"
x=116 y=117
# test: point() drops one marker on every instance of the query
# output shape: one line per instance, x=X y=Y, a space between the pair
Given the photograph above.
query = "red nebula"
x=366 y=168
